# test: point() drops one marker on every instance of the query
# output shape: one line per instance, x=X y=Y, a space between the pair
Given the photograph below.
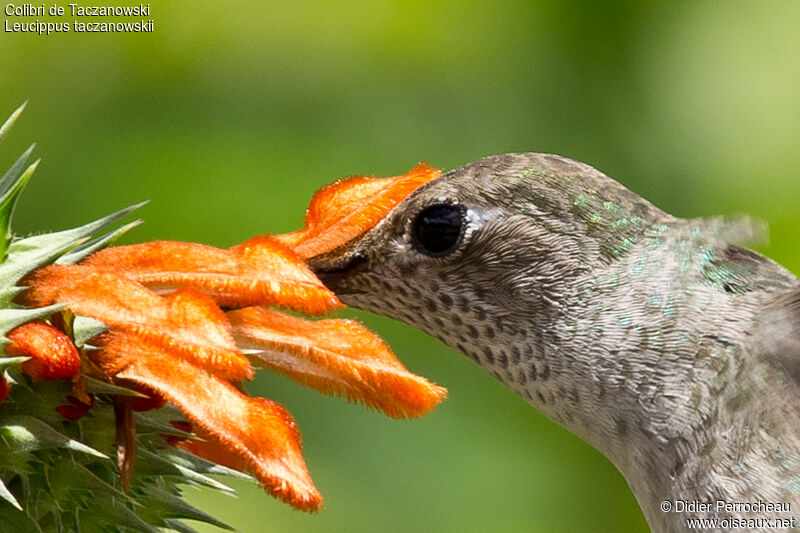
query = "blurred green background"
x=231 y=114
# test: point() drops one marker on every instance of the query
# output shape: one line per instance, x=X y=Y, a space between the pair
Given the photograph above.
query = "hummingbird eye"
x=438 y=229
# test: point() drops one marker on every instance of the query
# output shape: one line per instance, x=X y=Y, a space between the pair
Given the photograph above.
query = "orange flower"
x=334 y=356
x=169 y=337
x=257 y=272
x=259 y=434
x=344 y=210
x=185 y=321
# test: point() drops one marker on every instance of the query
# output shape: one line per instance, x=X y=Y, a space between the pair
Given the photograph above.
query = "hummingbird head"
x=486 y=258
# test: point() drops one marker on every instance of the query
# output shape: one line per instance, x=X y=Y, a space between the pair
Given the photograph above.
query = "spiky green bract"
x=58 y=475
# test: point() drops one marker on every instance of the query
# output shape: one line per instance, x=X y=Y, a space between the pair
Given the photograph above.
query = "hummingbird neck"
x=661 y=380
x=675 y=403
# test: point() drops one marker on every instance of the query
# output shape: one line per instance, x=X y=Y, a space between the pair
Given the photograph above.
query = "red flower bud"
x=52 y=353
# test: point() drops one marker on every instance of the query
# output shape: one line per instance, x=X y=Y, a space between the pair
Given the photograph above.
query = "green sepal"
x=22 y=434
x=97 y=429
x=11 y=120
x=11 y=185
x=157 y=422
x=84 y=328
x=98 y=243
x=67 y=476
x=180 y=527
x=149 y=464
x=101 y=387
x=10 y=362
x=13 y=180
x=36 y=399
x=200 y=465
x=11 y=318
x=10 y=292
x=104 y=512
x=159 y=505
x=29 y=253
x=7 y=496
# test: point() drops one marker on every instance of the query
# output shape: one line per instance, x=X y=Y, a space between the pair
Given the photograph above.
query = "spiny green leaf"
x=11 y=318
x=7 y=496
x=101 y=387
x=11 y=181
x=36 y=398
x=10 y=121
x=89 y=247
x=104 y=511
x=84 y=328
x=8 y=362
x=98 y=428
x=67 y=476
x=149 y=464
x=145 y=427
x=159 y=505
x=179 y=526
x=27 y=254
x=205 y=481
x=8 y=294
x=158 y=421
x=11 y=185
x=24 y=433
x=198 y=464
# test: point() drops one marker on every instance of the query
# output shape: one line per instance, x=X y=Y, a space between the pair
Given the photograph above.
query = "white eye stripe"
x=478 y=217
x=474 y=220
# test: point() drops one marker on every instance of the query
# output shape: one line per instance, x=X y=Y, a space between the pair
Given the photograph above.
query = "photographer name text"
x=719 y=506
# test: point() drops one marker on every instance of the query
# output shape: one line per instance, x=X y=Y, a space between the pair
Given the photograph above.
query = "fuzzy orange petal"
x=260 y=271
x=335 y=356
x=342 y=211
x=52 y=353
x=208 y=448
x=185 y=322
x=258 y=433
x=104 y=295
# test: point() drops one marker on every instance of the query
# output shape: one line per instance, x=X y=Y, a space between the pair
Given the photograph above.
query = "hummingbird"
x=661 y=341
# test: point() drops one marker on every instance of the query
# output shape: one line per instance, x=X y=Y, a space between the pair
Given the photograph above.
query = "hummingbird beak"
x=330 y=267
